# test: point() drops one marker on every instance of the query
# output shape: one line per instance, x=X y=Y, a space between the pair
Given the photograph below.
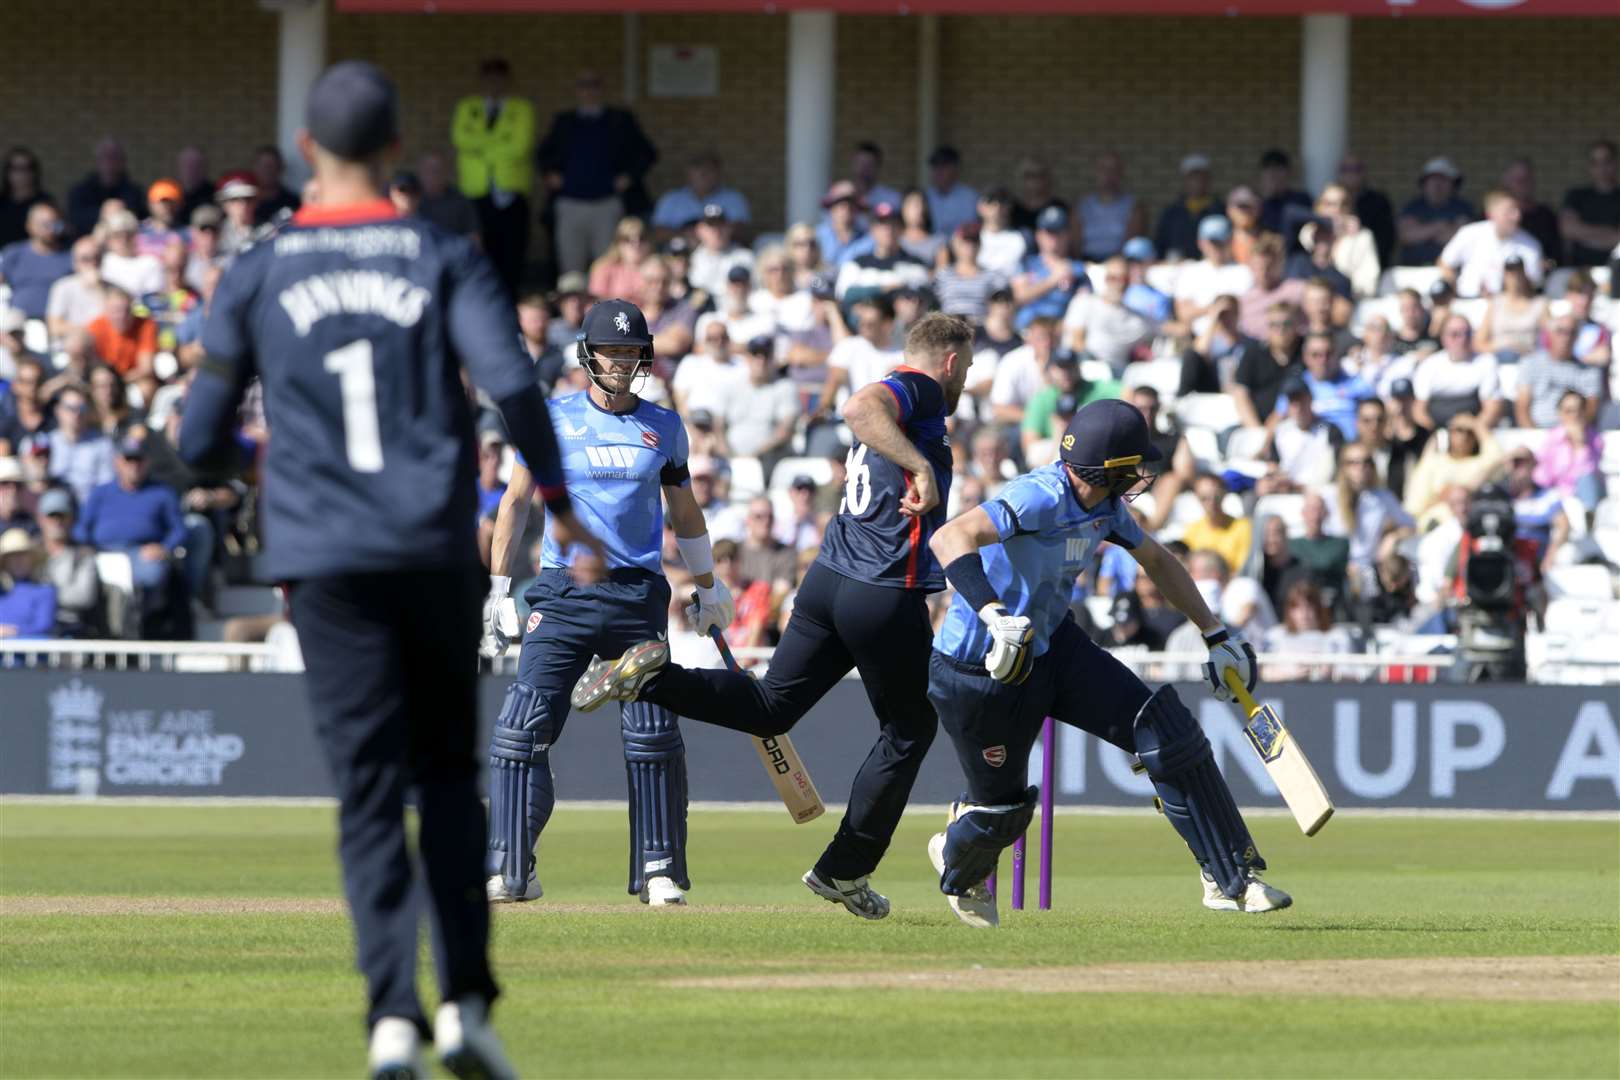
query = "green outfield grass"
x=96 y=982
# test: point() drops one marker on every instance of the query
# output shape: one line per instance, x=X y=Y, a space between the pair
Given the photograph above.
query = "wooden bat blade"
x=1285 y=760
x=792 y=780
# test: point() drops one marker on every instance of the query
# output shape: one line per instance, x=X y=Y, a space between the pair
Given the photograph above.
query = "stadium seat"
x=1162 y=276
x=1096 y=371
x=1511 y=439
x=747 y=477
x=1289 y=507
x=1609 y=463
x=1245 y=444
x=1101 y=610
x=1408 y=277
x=1163 y=375
x=816 y=468
x=1507 y=381
x=117 y=576
x=1472 y=310
x=1588 y=582
x=1206 y=450
x=1387 y=306
x=1213 y=411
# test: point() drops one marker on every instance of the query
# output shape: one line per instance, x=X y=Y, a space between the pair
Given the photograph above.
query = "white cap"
x=1441 y=166
x=1194 y=162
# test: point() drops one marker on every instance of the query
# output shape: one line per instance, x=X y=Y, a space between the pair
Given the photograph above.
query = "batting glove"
x=1229 y=652
x=714 y=608
x=1012 y=645
x=500 y=618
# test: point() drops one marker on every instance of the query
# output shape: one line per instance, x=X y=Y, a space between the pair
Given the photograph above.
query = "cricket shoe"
x=857 y=896
x=467 y=1045
x=1256 y=897
x=661 y=891
x=499 y=893
x=396 y=1051
x=976 y=907
x=620 y=679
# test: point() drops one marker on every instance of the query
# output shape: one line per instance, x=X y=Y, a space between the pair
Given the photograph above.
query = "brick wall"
x=1064 y=89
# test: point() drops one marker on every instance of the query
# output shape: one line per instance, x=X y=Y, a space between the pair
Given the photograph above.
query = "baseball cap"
x=944 y=155
x=803 y=482
x=1275 y=158
x=841 y=191
x=55 y=501
x=821 y=288
x=739 y=273
x=165 y=189
x=1242 y=195
x=353 y=110
x=1106 y=430
x=491 y=436
x=1064 y=358
x=236 y=185
x=1513 y=262
x=406 y=181
x=678 y=245
x=131 y=447
x=1295 y=386
x=714 y=212
x=1439 y=287
x=1217 y=229
x=1052 y=219
x=885 y=211
x=762 y=345
x=702 y=419
x=701 y=464
x=1401 y=388
x=997 y=194
x=1139 y=249
x=1439 y=166
x=1194 y=163
x=573 y=283
x=207 y=216
x=1066 y=405
x=1126 y=608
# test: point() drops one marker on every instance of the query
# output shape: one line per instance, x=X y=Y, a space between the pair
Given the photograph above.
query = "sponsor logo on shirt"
x=650 y=439
x=612 y=457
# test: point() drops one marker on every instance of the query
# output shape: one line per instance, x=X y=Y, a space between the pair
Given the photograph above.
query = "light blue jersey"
x=616 y=465
x=1047 y=538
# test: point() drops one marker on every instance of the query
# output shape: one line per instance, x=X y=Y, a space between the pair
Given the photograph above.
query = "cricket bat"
x=1284 y=759
x=781 y=760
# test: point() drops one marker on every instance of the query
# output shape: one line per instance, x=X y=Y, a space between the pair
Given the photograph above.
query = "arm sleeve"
x=674 y=473
x=1124 y=530
x=1024 y=506
x=228 y=366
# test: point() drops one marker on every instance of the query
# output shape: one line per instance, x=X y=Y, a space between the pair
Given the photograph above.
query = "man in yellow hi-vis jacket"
x=493 y=133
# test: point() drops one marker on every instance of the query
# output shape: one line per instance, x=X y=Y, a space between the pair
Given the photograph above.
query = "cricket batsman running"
x=1008 y=655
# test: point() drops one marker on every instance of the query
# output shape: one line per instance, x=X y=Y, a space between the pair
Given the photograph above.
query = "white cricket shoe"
x=495 y=888
x=1257 y=896
x=621 y=678
x=661 y=891
x=976 y=907
x=857 y=896
x=467 y=1045
x=396 y=1051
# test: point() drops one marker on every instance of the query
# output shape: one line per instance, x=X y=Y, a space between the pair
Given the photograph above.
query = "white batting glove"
x=1229 y=652
x=1012 y=645
x=500 y=618
x=714 y=608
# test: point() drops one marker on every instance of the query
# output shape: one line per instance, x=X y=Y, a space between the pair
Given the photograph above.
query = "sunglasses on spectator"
x=1525 y=462
x=80 y=408
x=759 y=515
x=1357 y=461
x=1279 y=324
x=1318 y=354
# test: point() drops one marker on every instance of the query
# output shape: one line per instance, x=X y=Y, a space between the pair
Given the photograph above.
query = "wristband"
x=966 y=575
x=696 y=553
x=1217 y=636
x=499 y=584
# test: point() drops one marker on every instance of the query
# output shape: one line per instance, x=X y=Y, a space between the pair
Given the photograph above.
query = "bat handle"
x=1241 y=692
x=719 y=639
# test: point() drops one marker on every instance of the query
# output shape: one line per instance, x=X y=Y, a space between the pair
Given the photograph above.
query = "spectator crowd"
x=1333 y=375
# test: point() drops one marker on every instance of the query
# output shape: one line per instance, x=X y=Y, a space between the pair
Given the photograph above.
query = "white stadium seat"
x=1289 y=507
x=1206 y=450
x=1245 y=443
x=1387 y=306
x=747 y=477
x=1408 y=277
x=816 y=468
x=1216 y=412
x=1586 y=582
x=1507 y=381
x=1162 y=276
x=1511 y=439
x=1096 y=371
x=1163 y=375
x=1472 y=310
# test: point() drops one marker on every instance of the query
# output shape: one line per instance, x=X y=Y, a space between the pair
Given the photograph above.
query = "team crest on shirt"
x=534 y=621
x=995 y=756
x=650 y=439
x=621 y=323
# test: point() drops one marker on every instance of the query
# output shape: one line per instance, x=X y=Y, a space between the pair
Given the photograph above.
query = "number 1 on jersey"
x=357 y=385
x=858 y=485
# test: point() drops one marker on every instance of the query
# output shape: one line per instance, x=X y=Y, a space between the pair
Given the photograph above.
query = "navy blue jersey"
x=357 y=322
x=869 y=539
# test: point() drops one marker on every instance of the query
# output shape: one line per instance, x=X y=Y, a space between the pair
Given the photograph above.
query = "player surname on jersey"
x=353 y=292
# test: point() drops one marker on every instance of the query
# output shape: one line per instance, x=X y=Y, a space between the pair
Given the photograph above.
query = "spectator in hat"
x=237 y=195
x=1264 y=366
x=1048 y=279
x=1535 y=217
x=711 y=487
x=269 y=176
x=716 y=252
x=1550 y=372
x=1243 y=211
x=1278 y=196
x=865 y=167
x=595 y=159
x=1511 y=326
x=27 y=607
x=569 y=301
x=1129 y=629
x=1100 y=325
x=1303 y=446
x=1109 y=215
x=493 y=132
x=732 y=306
x=20 y=188
x=680 y=208
x=950 y=202
x=80 y=456
x=800 y=528
x=125 y=341
x=70 y=568
x=883 y=270
x=1208 y=364
x=963 y=286
x=1473 y=258
x=191 y=173
x=1001 y=246
x=1589 y=219
x=1140 y=296
x=30 y=267
x=15 y=498
x=108 y=180
x=138 y=516
x=917 y=236
x=76 y=298
x=759 y=414
x=1269 y=286
x=405 y=192
x=206 y=223
x=1216 y=274
x=1354 y=249
x=1428 y=222
x=491 y=447
x=440 y=202
x=617 y=273
x=164 y=200
x=1176 y=235
x=840 y=228
x=1372 y=208
x=122 y=265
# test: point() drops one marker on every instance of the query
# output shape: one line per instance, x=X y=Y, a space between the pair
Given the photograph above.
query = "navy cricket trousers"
x=391 y=667
x=993 y=726
x=838 y=623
